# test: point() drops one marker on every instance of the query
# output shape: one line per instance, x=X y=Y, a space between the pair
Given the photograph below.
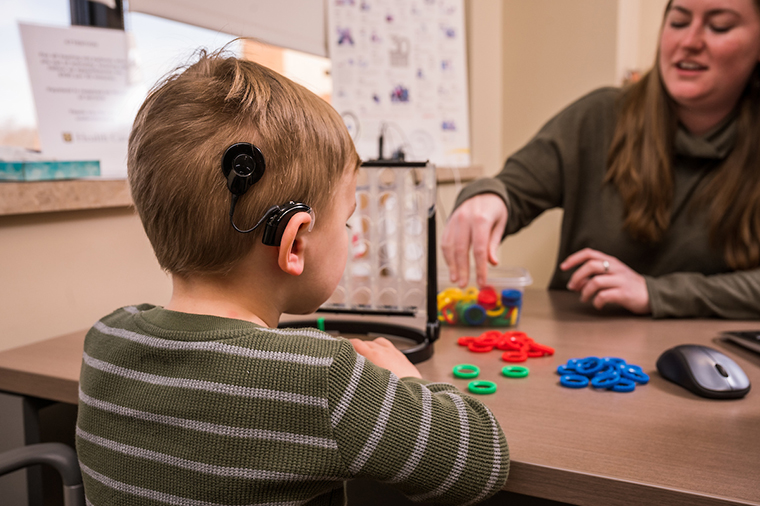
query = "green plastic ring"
x=321 y=324
x=481 y=387
x=515 y=371
x=466 y=371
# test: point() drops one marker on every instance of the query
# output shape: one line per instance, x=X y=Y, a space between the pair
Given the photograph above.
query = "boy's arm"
x=427 y=439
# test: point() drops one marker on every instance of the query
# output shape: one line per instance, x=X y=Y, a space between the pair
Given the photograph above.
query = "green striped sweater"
x=199 y=410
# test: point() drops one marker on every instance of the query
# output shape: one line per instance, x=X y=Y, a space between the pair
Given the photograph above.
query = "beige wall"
x=60 y=272
x=554 y=52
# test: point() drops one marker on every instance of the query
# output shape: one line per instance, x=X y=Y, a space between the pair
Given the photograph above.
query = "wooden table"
x=659 y=445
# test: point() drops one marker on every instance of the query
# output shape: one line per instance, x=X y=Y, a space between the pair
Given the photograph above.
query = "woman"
x=660 y=182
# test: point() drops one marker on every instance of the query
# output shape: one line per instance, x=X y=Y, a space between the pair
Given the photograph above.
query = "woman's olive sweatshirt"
x=564 y=166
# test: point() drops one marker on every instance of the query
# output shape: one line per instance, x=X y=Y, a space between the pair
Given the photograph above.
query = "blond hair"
x=180 y=135
x=640 y=167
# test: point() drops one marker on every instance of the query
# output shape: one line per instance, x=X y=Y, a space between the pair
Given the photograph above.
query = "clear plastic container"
x=498 y=303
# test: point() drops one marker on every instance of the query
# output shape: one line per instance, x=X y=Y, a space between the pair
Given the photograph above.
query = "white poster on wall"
x=399 y=70
x=82 y=92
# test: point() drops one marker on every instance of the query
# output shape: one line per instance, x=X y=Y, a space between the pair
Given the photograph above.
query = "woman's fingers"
x=588 y=271
x=478 y=223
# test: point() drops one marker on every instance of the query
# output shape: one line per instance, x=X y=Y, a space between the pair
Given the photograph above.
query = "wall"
x=60 y=272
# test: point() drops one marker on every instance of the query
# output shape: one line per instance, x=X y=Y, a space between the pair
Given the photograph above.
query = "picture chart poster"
x=82 y=93
x=399 y=67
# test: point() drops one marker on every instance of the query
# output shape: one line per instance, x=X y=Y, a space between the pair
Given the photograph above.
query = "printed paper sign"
x=399 y=67
x=84 y=100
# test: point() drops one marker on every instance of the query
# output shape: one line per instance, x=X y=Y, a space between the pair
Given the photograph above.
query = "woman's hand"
x=479 y=222
x=382 y=353
x=604 y=279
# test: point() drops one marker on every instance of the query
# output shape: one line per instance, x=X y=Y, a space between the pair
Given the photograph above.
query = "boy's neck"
x=222 y=296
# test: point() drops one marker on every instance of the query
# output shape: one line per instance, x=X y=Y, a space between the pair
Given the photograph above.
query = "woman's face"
x=708 y=49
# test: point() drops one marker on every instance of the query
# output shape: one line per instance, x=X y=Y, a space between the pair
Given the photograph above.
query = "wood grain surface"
x=658 y=445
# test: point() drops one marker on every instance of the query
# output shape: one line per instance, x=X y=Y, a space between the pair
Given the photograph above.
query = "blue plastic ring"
x=573 y=381
x=638 y=376
x=606 y=380
x=609 y=368
x=589 y=366
x=474 y=314
x=510 y=297
x=624 y=385
x=564 y=369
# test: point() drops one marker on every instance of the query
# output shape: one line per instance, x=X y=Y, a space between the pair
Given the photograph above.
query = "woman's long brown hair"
x=640 y=167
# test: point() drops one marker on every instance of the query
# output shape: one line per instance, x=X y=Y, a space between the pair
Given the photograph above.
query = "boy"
x=244 y=182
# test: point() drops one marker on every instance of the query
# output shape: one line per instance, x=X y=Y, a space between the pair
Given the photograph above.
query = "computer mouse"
x=703 y=370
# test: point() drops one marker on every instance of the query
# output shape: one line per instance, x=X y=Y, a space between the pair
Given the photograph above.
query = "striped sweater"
x=198 y=410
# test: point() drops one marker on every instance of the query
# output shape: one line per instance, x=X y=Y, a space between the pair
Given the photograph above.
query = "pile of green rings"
x=484 y=387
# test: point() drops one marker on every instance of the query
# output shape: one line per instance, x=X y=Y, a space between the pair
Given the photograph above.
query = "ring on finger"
x=606 y=265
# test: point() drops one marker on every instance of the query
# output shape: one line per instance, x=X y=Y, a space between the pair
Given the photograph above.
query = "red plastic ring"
x=514 y=356
x=546 y=350
x=487 y=297
x=479 y=348
x=465 y=340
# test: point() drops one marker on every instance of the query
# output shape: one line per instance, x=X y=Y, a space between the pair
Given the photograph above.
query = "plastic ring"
x=624 y=385
x=515 y=371
x=606 y=380
x=488 y=298
x=481 y=387
x=471 y=292
x=488 y=338
x=479 y=348
x=474 y=314
x=501 y=321
x=589 y=366
x=510 y=297
x=565 y=369
x=449 y=314
x=496 y=312
x=515 y=315
x=466 y=371
x=452 y=293
x=465 y=340
x=573 y=381
x=545 y=350
x=514 y=356
x=639 y=377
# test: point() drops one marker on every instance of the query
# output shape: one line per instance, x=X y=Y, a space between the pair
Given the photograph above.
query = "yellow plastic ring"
x=471 y=294
x=495 y=312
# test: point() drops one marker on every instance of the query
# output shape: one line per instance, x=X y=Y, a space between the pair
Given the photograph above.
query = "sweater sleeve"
x=733 y=295
x=429 y=440
x=540 y=175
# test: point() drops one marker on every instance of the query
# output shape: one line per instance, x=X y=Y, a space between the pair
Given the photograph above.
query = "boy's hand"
x=382 y=353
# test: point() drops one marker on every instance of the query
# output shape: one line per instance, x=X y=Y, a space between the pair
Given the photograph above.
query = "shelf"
x=77 y=194
x=69 y=195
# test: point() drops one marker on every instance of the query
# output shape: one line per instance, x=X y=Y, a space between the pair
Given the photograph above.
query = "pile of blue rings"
x=611 y=373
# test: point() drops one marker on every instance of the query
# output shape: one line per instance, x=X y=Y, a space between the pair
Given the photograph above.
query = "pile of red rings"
x=516 y=345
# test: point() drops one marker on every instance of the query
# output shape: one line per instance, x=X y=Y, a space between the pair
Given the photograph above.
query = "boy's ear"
x=290 y=257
